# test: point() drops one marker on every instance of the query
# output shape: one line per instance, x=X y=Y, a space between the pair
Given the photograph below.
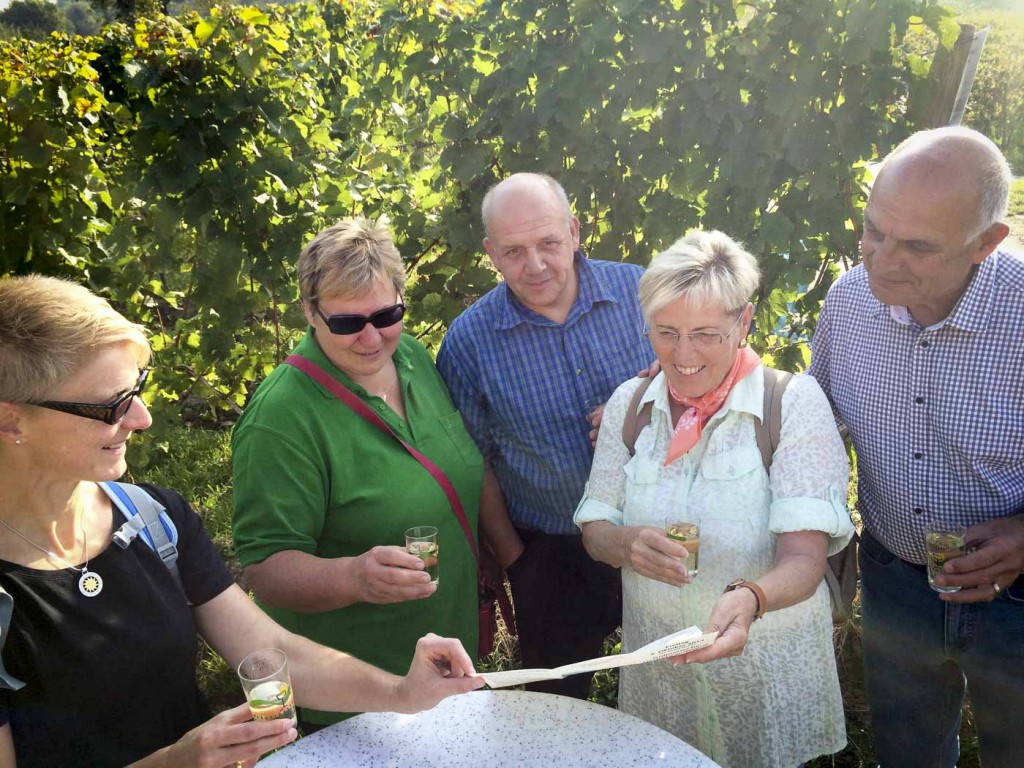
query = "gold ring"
x=996 y=587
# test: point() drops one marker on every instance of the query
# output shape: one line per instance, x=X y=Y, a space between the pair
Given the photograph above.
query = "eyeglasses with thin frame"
x=669 y=339
x=109 y=413
x=346 y=325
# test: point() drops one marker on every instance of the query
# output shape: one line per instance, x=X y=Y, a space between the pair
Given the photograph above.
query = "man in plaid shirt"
x=920 y=349
x=527 y=366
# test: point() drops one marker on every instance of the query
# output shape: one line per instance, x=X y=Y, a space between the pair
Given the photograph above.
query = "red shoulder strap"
x=324 y=379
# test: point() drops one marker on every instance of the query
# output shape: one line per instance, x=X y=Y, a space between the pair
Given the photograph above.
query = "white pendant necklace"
x=90 y=583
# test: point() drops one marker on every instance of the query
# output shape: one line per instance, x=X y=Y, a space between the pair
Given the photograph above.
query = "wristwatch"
x=762 y=600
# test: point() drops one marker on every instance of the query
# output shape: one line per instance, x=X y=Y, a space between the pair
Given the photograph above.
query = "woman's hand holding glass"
x=392 y=575
x=654 y=555
x=230 y=738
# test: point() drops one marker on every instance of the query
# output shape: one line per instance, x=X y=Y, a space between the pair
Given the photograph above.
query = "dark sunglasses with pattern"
x=108 y=413
x=346 y=325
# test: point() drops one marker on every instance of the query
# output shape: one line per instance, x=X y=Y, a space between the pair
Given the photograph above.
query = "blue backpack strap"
x=147 y=517
x=7 y=680
x=144 y=515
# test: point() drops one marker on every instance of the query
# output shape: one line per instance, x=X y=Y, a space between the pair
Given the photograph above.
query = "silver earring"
x=17 y=442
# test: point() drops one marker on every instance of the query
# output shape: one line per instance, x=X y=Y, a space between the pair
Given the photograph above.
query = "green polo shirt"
x=311 y=475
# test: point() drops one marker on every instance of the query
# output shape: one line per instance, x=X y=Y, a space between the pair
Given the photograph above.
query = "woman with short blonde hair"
x=350 y=257
x=694 y=468
x=51 y=328
x=705 y=267
x=323 y=497
x=99 y=655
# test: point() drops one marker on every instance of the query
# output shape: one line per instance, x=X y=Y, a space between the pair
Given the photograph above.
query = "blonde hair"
x=50 y=328
x=703 y=267
x=350 y=258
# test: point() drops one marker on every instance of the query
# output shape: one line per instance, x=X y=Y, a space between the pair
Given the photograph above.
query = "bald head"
x=520 y=186
x=957 y=159
x=932 y=218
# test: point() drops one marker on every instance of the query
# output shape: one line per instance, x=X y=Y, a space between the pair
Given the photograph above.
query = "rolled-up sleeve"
x=810 y=471
x=605 y=492
x=591 y=510
x=828 y=515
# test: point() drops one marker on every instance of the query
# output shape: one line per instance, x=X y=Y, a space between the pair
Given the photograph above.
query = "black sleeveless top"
x=111 y=678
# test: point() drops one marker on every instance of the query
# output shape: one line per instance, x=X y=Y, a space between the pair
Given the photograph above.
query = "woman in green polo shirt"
x=322 y=497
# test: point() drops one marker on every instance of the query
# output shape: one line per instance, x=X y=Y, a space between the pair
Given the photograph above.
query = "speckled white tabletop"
x=491 y=729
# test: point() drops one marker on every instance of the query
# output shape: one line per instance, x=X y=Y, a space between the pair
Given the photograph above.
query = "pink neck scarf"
x=699 y=410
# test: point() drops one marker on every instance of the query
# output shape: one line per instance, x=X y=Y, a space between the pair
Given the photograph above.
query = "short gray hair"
x=522 y=179
x=706 y=268
x=49 y=329
x=350 y=258
x=992 y=175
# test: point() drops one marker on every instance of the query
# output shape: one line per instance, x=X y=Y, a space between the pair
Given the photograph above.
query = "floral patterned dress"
x=778 y=704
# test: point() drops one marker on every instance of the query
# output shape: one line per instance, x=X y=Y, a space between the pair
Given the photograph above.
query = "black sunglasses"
x=111 y=413
x=346 y=325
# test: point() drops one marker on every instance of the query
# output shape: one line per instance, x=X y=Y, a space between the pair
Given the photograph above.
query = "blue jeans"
x=921 y=654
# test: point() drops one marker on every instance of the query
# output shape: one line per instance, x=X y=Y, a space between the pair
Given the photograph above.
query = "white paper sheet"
x=683 y=641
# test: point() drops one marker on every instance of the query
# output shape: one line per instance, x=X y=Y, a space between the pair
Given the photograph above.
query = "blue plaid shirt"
x=525 y=385
x=936 y=414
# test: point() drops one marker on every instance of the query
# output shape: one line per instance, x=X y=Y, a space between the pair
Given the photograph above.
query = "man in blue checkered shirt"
x=527 y=366
x=921 y=352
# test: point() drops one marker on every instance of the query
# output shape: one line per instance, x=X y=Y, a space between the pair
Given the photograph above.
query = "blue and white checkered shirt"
x=525 y=385
x=936 y=414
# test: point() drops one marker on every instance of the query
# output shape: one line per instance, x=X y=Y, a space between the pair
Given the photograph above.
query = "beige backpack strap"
x=769 y=429
x=635 y=421
x=841 y=573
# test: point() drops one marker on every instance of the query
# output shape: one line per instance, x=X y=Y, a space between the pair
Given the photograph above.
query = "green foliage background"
x=996 y=107
x=34 y=19
x=179 y=166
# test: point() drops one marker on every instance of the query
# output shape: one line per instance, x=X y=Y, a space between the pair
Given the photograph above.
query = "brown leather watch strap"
x=759 y=595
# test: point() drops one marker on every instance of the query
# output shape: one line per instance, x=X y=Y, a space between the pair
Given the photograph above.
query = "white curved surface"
x=493 y=728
